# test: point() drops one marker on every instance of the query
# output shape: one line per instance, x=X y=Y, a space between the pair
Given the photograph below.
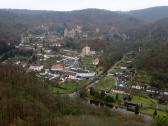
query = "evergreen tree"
x=117 y=97
x=136 y=109
x=155 y=113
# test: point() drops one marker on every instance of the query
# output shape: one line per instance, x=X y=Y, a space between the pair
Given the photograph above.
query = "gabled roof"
x=57 y=66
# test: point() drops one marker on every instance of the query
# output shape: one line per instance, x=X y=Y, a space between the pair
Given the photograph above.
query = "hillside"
x=153 y=40
x=26 y=101
x=88 y=17
x=150 y=14
x=153 y=59
x=13 y=22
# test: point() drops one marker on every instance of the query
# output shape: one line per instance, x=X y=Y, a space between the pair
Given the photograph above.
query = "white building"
x=36 y=68
x=86 y=75
x=86 y=51
x=137 y=87
x=123 y=68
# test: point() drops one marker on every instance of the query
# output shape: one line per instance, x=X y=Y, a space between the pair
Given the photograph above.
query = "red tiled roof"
x=57 y=66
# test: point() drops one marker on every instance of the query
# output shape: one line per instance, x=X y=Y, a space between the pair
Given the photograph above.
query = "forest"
x=153 y=59
x=26 y=101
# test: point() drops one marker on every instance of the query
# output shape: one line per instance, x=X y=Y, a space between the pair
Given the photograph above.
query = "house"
x=57 y=67
x=44 y=72
x=86 y=51
x=131 y=54
x=71 y=75
x=55 y=75
x=24 y=65
x=62 y=80
x=123 y=68
x=119 y=72
x=96 y=61
x=165 y=92
x=36 y=68
x=78 y=74
x=138 y=87
x=47 y=56
x=92 y=52
x=71 y=53
x=47 y=51
x=18 y=62
x=85 y=36
x=151 y=89
x=163 y=99
x=86 y=75
x=56 y=45
x=129 y=62
x=120 y=90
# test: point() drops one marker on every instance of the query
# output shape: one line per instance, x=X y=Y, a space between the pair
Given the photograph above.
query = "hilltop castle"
x=71 y=33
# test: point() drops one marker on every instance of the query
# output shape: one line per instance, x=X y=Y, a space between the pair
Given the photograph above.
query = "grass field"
x=150 y=103
x=105 y=83
x=87 y=62
x=151 y=111
x=144 y=101
x=163 y=107
x=67 y=87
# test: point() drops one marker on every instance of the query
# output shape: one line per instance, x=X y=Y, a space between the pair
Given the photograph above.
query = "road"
x=91 y=83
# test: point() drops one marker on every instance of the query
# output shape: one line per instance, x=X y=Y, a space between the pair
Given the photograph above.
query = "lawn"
x=163 y=107
x=68 y=87
x=149 y=103
x=145 y=101
x=151 y=111
x=87 y=62
x=105 y=83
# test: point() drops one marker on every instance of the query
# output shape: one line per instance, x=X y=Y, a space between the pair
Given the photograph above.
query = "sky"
x=67 y=5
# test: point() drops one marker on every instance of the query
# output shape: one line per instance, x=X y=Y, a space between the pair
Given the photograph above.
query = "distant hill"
x=150 y=14
x=87 y=17
x=13 y=22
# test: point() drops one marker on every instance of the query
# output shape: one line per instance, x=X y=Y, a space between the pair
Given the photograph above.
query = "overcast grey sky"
x=66 y=5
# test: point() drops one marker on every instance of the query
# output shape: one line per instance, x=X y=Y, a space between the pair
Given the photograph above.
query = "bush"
x=109 y=99
x=161 y=120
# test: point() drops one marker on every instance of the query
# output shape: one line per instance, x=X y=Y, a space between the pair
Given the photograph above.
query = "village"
x=83 y=63
x=126 y=89
x=69 y=70
x=47 y=56
x=52 y=60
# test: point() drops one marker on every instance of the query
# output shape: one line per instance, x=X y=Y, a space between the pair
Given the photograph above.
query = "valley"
x=84 y=67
